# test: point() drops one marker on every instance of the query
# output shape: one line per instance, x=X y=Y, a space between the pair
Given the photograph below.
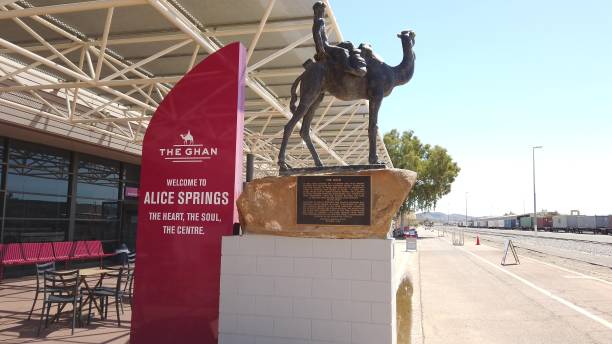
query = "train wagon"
x=559 y=222
x=525 y=222
x=566 y=223
x=601 y=224
x=545 y=222
x=509 y=223
x=585 y=223
x=495 y=223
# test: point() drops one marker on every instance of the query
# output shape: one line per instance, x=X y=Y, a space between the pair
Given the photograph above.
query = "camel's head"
x=319 y=9
x=407 y=36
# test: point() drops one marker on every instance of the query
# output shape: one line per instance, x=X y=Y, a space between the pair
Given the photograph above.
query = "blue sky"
x=494 y=78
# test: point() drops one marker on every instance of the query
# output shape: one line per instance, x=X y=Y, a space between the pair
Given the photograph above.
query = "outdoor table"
x=91 y=272
x=83 y=275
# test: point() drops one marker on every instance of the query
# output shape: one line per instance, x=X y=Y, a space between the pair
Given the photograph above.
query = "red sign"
x=191 y=175
x=131 y=191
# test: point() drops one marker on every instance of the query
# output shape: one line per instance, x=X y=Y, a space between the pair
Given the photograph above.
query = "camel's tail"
x=292 y=103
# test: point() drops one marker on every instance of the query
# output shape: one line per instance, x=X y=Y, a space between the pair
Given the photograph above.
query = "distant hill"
x=441 y=217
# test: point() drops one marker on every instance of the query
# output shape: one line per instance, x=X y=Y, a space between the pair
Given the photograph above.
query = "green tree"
x=435 y=168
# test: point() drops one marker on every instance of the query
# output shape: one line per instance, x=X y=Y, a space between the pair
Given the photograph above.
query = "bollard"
x=411 y=244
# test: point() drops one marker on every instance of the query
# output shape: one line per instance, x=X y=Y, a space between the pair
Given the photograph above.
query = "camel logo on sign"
x=187 y=151
x=187 y=138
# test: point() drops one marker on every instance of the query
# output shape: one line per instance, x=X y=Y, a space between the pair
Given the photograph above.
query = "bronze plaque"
x=333 y=200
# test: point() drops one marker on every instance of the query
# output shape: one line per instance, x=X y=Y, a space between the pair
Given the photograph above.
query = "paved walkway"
x=468 y=297
x=16 y=297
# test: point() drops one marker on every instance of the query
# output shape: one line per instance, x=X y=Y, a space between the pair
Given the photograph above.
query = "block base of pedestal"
x=308 y=290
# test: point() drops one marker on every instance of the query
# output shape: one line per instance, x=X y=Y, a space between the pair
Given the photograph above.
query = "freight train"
x=552 y=223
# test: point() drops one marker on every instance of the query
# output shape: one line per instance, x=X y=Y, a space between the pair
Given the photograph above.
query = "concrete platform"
x=468 y=297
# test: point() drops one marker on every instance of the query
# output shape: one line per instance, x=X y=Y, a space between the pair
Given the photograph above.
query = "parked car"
x=399 y=232
x=411 y=233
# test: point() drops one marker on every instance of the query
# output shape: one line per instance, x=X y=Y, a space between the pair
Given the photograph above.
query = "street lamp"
x=535 y=212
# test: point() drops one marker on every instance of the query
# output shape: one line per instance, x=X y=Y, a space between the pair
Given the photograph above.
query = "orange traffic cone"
x=477 y=240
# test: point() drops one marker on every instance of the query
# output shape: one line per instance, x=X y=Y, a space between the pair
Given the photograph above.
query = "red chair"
x=46 y=253
x=62 y=251
x=11 y=255
x=31 y=251
x=80 y=251
x=96 y=250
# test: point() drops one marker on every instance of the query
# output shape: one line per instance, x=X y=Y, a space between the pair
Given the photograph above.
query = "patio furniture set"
x=98 y=287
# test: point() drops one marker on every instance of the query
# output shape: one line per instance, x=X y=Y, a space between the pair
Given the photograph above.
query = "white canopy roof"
x=96 y=71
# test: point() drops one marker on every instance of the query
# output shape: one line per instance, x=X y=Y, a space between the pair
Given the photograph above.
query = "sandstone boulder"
x=269 y=206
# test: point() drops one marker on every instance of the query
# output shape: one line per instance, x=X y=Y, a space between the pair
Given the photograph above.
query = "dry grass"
x=404 y=311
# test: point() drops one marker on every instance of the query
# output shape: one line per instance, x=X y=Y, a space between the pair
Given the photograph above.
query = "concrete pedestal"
x=305 y=290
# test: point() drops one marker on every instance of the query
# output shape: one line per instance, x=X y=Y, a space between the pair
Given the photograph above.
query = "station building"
x=80 y=80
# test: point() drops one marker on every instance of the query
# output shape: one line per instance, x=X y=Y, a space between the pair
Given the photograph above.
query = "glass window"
x=98 y=168
x=36 y=197
x=36 y=200
x=89 y=208
x=97 y=189
x=132 y=174
x=98 y=178
x=29 y=230
x=96 y=230
x=2 y=195
x=2 y=162
x=29 y=205
x=2 y=167
x=20 y=180
x=37 y=169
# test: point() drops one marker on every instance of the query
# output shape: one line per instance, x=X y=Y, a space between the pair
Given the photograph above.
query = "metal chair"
x=121 y=276
x=61 y=288
x=129 y=286
x=130 y=263
x=131 y=259
x=40 y=270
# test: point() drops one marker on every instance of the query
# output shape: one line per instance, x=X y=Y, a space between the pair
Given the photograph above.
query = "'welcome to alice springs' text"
x=185 y=223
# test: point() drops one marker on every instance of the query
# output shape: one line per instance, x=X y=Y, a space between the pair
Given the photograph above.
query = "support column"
x=3 y=185
x=250 y=159
x=72 y=192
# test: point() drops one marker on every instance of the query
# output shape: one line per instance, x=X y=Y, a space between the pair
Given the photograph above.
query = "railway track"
x=588 y=251
x=536 y=236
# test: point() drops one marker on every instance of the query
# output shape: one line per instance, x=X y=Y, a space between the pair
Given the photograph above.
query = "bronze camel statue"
x=347 y=74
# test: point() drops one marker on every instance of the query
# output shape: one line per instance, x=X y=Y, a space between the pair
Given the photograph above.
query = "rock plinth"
x=269 y=206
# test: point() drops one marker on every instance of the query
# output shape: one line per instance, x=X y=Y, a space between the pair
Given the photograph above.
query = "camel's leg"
x=310 y=90
x=286 y=134
x=375 y=102
x=305 y=131
x=305 y=101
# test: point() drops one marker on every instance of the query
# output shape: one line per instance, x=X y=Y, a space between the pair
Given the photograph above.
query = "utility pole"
x=466 y=216
x=535 y=212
